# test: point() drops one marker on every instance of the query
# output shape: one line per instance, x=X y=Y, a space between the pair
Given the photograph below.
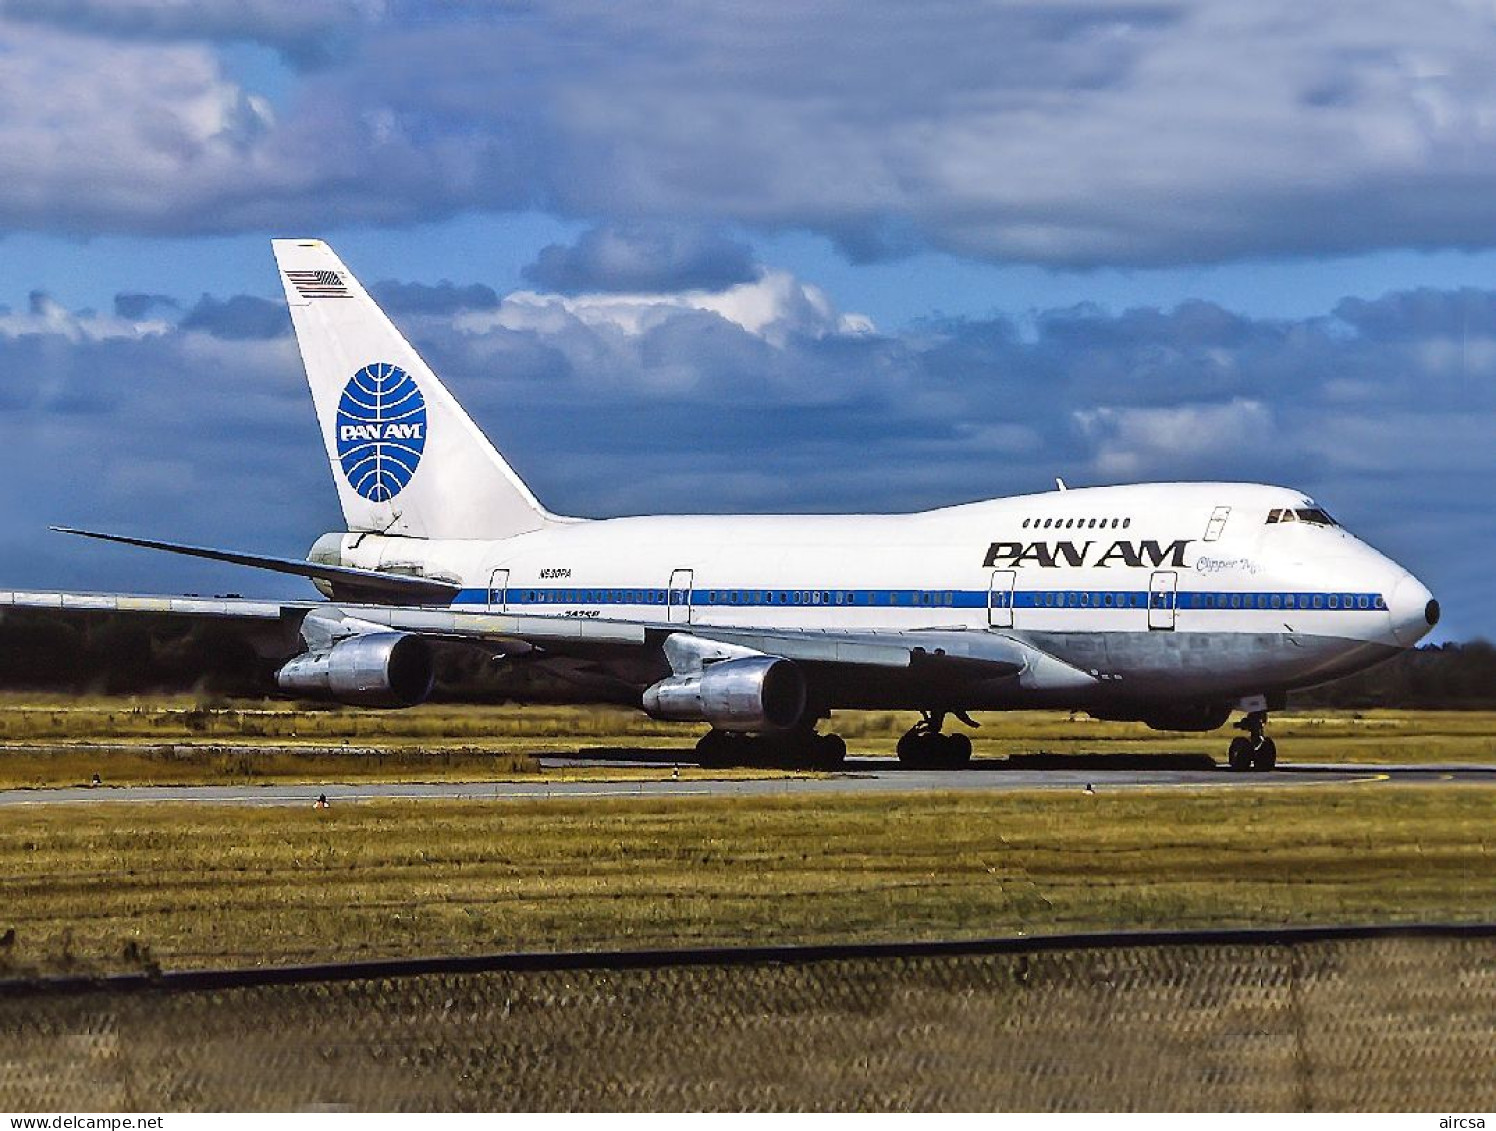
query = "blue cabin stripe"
x=1212 y=601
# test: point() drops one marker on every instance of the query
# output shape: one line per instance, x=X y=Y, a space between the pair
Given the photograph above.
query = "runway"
x=861 y=776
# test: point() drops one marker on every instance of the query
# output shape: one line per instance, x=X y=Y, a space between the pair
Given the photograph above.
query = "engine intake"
x=379 y=669
x=756 y=693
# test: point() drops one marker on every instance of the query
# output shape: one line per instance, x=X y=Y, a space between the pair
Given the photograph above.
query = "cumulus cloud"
x=1072 y=134
x=134 y=305
x=240 y=318
x=441 y=298
x=650 y=258
x=1134 y=443
x=194 y=427
x=303 y=30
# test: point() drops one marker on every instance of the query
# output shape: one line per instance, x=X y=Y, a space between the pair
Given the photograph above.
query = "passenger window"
x=1126 y=522
x=1319 y=602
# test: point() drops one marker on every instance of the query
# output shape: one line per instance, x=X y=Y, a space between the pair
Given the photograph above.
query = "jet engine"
x=755 y=693
x=379 y=669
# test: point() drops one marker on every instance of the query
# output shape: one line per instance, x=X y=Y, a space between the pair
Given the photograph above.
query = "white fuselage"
x=1160 y=591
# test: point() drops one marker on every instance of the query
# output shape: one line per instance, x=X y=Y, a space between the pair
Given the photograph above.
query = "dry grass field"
x=125 y=887
x=61 y=741
x=1376 y=1025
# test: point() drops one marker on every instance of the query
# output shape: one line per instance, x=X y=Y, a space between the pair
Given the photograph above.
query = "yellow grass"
x=62 y=741
x=124 y=886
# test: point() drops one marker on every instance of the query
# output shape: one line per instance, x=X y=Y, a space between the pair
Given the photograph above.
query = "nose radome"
x=1414 y=610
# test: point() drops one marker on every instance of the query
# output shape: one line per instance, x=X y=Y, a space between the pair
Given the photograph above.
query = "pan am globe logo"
x=381 y=430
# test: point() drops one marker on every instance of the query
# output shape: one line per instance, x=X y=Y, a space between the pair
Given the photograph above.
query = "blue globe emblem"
x=381 y=430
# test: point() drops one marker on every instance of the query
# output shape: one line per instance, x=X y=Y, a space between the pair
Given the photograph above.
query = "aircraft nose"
x=1413 y=610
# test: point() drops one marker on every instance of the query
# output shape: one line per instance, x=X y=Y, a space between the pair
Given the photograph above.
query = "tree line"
x=119 y=655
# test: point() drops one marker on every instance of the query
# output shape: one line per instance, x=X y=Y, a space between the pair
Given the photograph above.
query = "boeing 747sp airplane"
x=1170 y=603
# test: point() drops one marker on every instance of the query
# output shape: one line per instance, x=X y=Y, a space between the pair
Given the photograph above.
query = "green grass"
x=190 y=886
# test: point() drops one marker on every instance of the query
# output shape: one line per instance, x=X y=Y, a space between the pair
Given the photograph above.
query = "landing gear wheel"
x=1265 y=757
x=828 y=752
x=925 y=748
x=957 y=751
x=716 y=749
x=1239 y=757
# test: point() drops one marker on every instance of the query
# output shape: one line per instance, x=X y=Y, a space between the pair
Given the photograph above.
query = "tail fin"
x=405 y=457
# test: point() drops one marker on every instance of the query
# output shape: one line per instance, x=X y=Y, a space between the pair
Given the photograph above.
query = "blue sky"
x=804 y=257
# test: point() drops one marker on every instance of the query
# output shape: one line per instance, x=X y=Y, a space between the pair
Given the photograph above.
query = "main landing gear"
x=1253 y=750
x=925 y=748
x=801 y=748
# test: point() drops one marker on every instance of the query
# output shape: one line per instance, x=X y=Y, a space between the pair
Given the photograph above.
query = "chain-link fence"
x=1383 y=1023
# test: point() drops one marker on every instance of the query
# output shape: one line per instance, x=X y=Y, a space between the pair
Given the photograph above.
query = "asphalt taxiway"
x=861 y=776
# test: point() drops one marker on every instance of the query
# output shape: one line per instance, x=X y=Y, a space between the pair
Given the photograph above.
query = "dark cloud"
x=1382 y=409
x=443 y=298
x=135 y=306
x=644 y=258
x=1073 y=134
x=239 y=318
x=306 y=32
x=1417 y=313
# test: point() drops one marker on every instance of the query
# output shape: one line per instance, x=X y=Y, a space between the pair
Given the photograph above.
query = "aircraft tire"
x=1239 y=757
x=934 y=751
x=1265 y=757
x=955 y=752
x=914 y=752
x=828 y=752
x=714 y=749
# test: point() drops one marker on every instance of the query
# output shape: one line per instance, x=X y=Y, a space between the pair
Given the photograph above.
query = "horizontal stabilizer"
x=347 y=583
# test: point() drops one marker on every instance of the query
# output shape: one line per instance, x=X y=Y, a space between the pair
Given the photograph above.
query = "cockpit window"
x=1315 y=516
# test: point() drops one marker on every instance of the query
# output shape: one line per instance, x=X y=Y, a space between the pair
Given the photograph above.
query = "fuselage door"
x=1217 y=523
x=498 y=591
x=678 y=597
x=1000 y=598
x=1162 y=588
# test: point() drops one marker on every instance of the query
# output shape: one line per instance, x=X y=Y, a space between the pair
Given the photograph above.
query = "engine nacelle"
x=756 y=693
x=379 y=669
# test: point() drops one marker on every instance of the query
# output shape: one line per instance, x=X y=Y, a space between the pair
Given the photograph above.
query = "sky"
x=808 y=256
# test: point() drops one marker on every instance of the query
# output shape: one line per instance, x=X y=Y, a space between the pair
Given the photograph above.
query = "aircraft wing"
x=879 y=649
x=422 y=620
x=286 y=628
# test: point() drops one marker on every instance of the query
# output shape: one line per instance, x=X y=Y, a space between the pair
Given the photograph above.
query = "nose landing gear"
x=925 y=748
x=1253 y=750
